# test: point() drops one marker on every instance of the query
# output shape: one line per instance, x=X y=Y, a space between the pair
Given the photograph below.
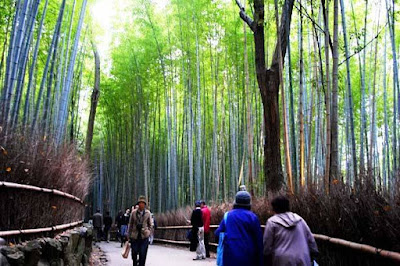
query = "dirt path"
x=157 y=255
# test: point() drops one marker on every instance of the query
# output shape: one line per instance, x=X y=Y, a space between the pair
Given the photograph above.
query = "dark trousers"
x=139 y=247
x=106 y=230
x=98 y=233
x=206 y=243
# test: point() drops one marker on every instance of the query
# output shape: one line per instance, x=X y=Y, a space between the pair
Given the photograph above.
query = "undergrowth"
x=363 y=216
x=37 y=161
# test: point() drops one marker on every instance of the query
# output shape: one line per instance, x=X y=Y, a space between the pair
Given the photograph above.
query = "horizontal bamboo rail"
x=39 y=230
x=177 y=242
x=39 y=189
x=341 y=242
x=360 y=247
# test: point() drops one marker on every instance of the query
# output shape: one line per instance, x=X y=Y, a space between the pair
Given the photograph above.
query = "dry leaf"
x=8 y=169
x=4 y=151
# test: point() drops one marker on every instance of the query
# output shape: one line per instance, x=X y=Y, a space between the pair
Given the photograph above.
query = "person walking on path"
x=197 y=233
x=139 y=229
x=153 y=221
x=206 y=214
x=287 y=237
x=107 y=220
x=97 y=225
x=118 y=221
x=124 y=225
x=243 y=237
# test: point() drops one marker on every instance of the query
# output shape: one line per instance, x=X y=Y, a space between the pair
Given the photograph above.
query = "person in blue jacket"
x=243 y=243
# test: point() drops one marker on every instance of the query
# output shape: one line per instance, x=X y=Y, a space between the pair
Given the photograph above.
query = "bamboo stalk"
x=39 y=230
x=39 y=189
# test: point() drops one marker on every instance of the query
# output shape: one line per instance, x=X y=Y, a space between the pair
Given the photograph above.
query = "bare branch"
x=365 y=46
x=249 y=21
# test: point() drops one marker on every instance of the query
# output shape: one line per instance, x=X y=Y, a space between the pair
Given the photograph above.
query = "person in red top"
x=206 y=221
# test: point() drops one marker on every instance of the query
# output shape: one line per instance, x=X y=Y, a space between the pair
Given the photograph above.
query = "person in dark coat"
x=243 y=237
x=97 y=225
x=287 y=237
x=107 y=220
x=118 y=221
x=197 y=234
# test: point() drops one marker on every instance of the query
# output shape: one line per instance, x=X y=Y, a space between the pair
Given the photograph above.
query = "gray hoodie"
x=288 y=240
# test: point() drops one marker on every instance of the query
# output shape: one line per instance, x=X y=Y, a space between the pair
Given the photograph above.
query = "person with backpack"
x=242 y=243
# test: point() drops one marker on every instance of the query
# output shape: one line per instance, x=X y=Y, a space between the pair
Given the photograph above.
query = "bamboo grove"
x=41 y=67
x=184 y=107
x=181 y=116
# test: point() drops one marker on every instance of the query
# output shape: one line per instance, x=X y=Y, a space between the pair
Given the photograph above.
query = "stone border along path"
x=157 y=255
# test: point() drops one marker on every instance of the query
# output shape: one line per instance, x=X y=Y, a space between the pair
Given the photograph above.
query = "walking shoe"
x=197 y=258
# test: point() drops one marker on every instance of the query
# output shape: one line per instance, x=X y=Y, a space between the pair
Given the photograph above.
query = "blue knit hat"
x=242 y=199
x=197 y=203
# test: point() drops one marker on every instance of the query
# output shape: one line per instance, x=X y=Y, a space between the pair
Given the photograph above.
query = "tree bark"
x=268 y=83
x=94 y=99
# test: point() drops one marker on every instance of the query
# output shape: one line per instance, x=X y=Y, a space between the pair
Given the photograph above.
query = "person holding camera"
x=139 y=228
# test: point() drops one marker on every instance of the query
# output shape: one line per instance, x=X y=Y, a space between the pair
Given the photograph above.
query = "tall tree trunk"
x=198 y=122
x=327 y=98
x=396 y=86
x=349 y=92
x=301 y=108
x=291 y=118
x=363 y=118
x=285 y=126
x=334 y=162
x=248 y=116
x=94 y=99
x=268 y=82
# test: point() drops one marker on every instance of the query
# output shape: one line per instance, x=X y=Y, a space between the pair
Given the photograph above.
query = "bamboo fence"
x=39 y=230
x=39 y=189
x=395 y=256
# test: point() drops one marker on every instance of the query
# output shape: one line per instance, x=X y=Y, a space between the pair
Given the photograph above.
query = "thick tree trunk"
x=268 y=83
